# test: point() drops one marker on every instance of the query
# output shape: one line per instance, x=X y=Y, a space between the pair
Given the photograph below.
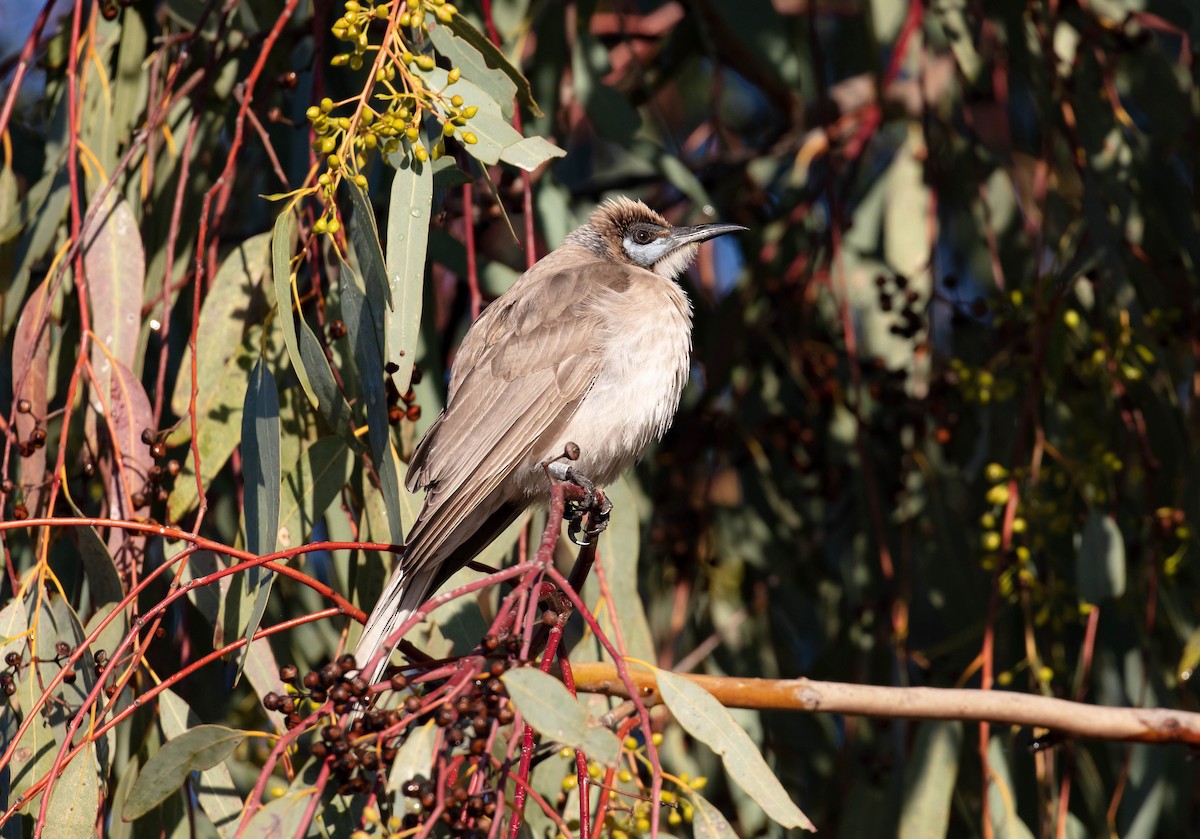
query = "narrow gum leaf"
x=409 y=208
x=196 y=749
x=550 y=709
x=281 y=270
x=707 y=720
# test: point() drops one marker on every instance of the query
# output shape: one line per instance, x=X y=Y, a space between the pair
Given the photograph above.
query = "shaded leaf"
x=216 y=792
x=930 y=780
x=30 y=371
x=261 y=471
x=260 y=460
x=550 y=709
x=619 y=546
x=218 y=424
x=409 y=210
x=330 y=401
x=1100 y=564
x=310 y=486
x=196 y=749
x=281 y=271
x=368 y=358
x=364 y=236
x=414 y=758
x=708 y=721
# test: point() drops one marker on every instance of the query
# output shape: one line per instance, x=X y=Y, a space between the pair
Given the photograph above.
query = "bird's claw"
x=594 y=501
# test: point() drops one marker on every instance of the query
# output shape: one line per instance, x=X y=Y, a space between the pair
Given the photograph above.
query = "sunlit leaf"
x=30 y=372
x=497 y=84
x=708 y=822
x=75 y=799
x=116 y=273
x=495 y=58
x=530 y=153
x=550 y=709
x=708 y=721
x=409 y=210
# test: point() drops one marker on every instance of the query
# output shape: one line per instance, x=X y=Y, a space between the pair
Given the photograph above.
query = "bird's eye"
x=642 y=236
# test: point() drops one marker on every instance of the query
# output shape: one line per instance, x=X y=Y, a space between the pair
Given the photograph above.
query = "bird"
x=591 y=346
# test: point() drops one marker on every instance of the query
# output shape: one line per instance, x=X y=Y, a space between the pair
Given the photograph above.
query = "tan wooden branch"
x=1076 y=719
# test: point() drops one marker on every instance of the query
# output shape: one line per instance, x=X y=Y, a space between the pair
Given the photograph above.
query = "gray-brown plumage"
x=592 y=346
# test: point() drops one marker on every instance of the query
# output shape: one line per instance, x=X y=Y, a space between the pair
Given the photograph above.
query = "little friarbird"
x=591 y=346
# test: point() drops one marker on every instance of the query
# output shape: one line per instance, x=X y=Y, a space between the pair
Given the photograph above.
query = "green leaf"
x=464 y=29
x=619 y=546
x=531 y=152
x=930 y=780
x=368 y=358
x=218 y=422
x=550 y=709
x=216 y=791
x=708 y=822
x=10 y=206
x=409 y=208
x=498 y=86
x=310 y=486
x=364 y=236
x=414 y=758
x=14 y=620
x=331 y=403
x=494 y=134
x=232 y=303
x=281 y=270
x=280 y=818
x=75 y=798
x=115 y=264
x=261 y=469
x=1100 y=564
x=261 y=472
x=708 y=721
x=197 y=749
x=1002 y=794
x=446 y=175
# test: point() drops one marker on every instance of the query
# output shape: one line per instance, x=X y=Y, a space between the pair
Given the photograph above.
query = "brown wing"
x=520 y=375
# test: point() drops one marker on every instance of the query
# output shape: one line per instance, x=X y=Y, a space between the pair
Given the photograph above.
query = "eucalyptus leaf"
x=409 y=211
x=414 y=758
x=550 y=709
x=1101 y=559
x=708 y=721
x=281 y=269
x=197 y=749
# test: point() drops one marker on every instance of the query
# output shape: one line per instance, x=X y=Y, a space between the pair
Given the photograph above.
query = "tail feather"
x=407 y=592
x=423 y=568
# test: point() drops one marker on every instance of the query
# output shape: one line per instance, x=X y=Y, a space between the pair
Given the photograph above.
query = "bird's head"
x=628 y=231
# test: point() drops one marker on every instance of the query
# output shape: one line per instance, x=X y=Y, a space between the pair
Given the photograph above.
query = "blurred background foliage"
x=941 y=428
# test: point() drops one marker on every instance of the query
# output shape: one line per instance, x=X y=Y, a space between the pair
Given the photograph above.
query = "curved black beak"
x=701 y=232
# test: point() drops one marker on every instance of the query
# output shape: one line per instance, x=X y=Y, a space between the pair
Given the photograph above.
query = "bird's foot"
x=586 y=518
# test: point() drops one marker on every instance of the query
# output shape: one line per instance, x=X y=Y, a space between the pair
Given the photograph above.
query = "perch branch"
x=1076 y=719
